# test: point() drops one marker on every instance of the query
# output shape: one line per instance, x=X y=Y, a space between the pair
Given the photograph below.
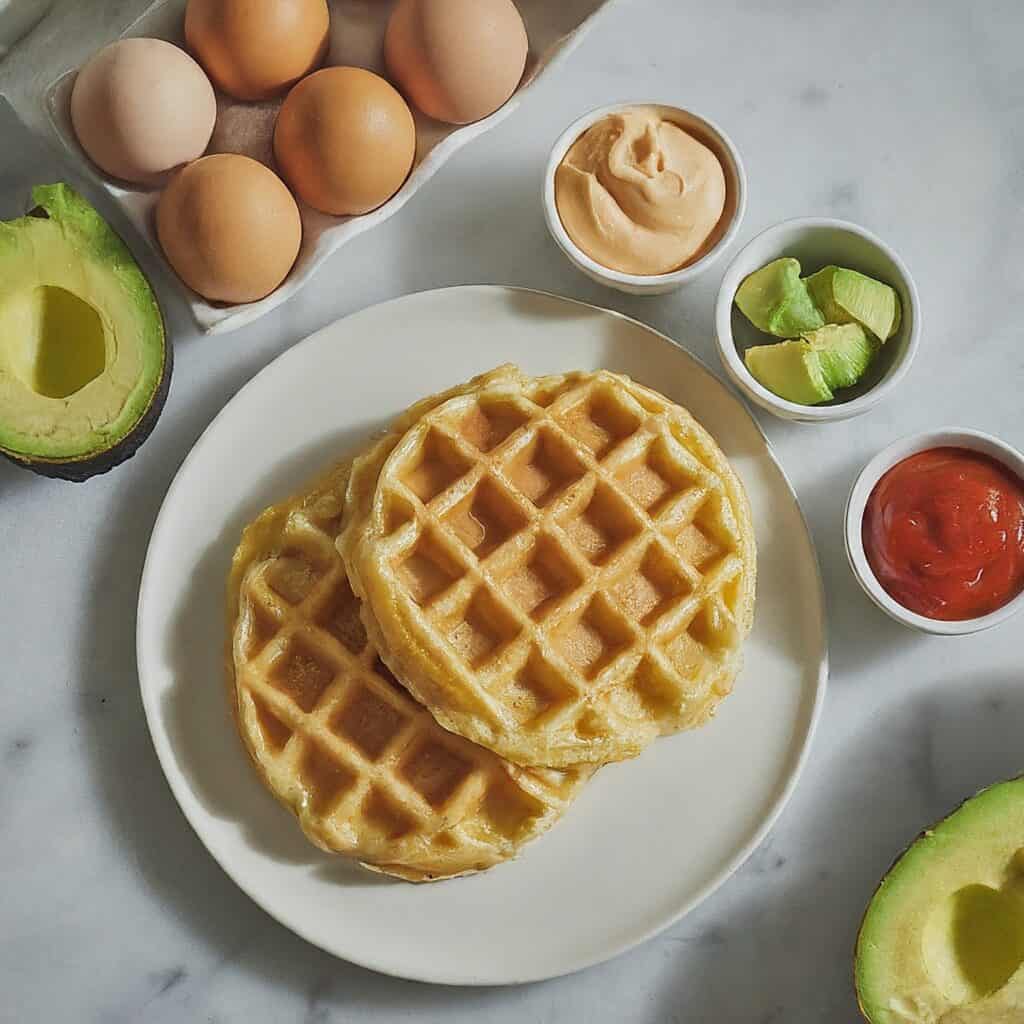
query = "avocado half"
x=84 y=363
x=942 y=941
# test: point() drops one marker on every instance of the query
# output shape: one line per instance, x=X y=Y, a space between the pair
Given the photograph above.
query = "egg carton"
x=357 y=35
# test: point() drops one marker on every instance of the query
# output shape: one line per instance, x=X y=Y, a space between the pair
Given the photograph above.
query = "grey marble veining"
x=906 y=117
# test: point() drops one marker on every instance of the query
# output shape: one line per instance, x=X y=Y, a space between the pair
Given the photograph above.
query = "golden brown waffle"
x=560 y=568
x=366 y=769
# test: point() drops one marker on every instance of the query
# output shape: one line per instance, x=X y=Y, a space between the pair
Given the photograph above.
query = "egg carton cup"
x=357 y=38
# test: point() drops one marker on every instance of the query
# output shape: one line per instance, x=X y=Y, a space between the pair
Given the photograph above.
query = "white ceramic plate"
x=647 y=840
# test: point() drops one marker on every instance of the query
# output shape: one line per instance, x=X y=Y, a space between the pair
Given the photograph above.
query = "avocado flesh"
x=846 y=297
x=775 y=299
x=54 y=341
x=791 y=370
x=844 y=352
x=84 y=367
x=942 y=941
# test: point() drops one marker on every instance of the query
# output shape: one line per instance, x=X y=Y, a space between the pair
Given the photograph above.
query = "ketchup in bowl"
x=943 y=532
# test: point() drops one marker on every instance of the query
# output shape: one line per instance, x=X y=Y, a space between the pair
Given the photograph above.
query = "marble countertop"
x=908 y=118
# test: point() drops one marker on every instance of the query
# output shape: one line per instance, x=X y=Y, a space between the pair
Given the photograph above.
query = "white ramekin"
x=650 y=284
x=946 y=437
x=818 y=242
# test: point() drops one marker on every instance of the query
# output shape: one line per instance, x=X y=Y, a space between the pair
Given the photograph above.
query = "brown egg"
x=457 y=60
x=344 y=140
x=254 y=49
x=229 y=228
x=141 y=107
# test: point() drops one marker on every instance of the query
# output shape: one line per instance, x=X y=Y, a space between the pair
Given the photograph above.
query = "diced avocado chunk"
x=844 y=352
x=943 y=937
x=776 y=300
x=791 y=370
x=846 y=297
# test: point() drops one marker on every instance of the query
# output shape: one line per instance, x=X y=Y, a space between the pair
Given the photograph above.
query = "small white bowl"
x=651 y=284
x=818 y=242
x=947 y=437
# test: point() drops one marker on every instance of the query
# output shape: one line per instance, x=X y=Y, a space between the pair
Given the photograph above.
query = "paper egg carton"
x=555 y=28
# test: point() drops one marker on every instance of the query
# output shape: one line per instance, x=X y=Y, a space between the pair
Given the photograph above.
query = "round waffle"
x=366 y=769
x=560 y=568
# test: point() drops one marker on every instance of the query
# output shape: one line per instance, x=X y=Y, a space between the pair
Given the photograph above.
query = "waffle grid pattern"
x=366 y=769
x=571 y=543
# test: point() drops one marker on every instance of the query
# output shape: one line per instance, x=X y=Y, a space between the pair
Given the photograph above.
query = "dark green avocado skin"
x=80 y=470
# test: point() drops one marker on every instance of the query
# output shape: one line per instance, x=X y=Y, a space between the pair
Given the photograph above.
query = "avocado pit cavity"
x=53 y=340
x=973 y=941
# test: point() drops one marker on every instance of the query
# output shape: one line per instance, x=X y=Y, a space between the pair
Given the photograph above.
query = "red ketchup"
x=943 y=532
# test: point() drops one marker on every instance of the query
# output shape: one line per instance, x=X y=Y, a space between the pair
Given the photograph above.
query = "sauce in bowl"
x=943 y=532
x=639 y=194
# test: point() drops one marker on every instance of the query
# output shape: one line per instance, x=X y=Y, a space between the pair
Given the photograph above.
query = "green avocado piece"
x=84 y=364
x=943 y=938
x=776 y=300
x=844 y=352
x=791 y=370
x=846 y=297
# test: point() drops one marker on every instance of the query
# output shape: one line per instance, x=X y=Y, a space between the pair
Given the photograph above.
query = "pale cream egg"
x=141 y=107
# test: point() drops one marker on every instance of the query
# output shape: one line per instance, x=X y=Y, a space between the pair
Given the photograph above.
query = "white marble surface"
x=906 y=117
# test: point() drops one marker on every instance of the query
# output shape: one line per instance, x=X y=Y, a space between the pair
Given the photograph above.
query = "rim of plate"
x=179 y=786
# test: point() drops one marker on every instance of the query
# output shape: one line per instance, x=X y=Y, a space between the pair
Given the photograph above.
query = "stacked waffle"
x=437 y=644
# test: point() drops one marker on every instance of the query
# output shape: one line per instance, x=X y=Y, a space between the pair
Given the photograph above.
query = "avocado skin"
x=923 y=834
x=84 y=467
x=79 y=470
